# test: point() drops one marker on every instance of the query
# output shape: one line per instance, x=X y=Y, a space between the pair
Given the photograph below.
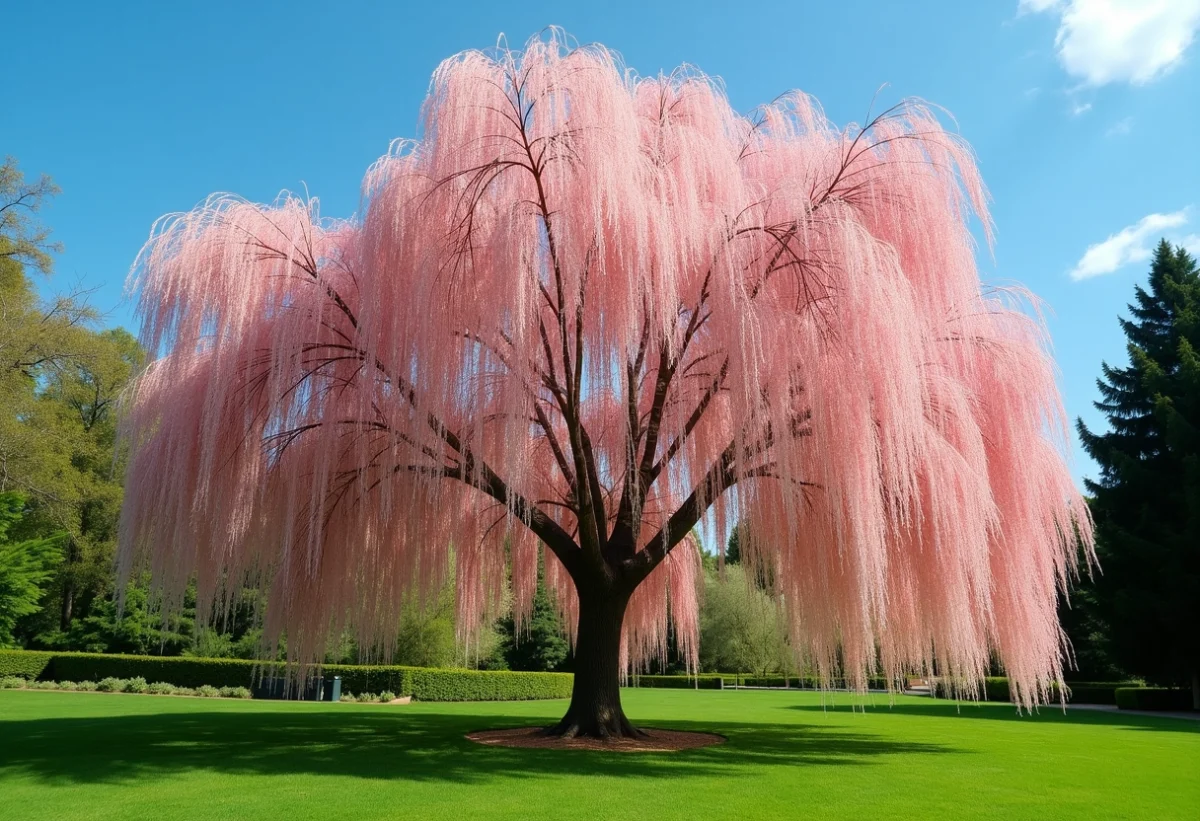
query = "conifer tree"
x=1147 y=500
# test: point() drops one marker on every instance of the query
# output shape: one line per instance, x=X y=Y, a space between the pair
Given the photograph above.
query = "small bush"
x=386 y=696
x=135 y=685
x=87 y=686
x=44 y=685
x=348 y=698
x=1153 y=698
x=68 y=685
x=111 y=685
x=161 y=688
x=235 y=692
x=184 y=691
x=12 y=682
x=208 y=691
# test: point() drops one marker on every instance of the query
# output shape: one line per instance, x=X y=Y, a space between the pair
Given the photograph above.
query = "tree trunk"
x=68 y=606
x=1196 y=689
x=595 y=709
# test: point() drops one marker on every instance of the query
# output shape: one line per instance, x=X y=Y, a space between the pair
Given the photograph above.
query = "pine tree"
x=1147 y=500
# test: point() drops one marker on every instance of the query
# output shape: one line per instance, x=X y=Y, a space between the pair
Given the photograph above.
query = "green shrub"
x=135 y=685
x=420 y=683
x=348 y=698
x=1153 y=698
x=68 y=685
x=26 y=664
x=235 y=692
x=386 y=696
x=44 y=685
x=182 y=671
x=12 y=682
x=184 y=691
x=207 y=691
x=995 y=688
x=86 y=686
x=111 y=684
x=161 y=688
x=701 y=682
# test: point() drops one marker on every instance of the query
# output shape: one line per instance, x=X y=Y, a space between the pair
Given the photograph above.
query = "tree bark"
x=595 y=709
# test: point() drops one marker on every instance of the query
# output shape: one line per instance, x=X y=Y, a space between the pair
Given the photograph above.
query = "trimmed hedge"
x=485 y=685
x=801 y=682
x=995 y=688
x=701 y=682
x=185 y=671
x=28 y=664
x=1153 y=698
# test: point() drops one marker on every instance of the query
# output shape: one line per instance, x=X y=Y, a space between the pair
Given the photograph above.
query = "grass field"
x=96 y=756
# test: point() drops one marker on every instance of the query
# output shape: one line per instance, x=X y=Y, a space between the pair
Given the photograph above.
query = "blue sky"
x=1083 y=114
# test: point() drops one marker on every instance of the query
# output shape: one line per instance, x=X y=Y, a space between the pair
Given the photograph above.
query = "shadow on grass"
x=1047 y=714
x=389 y=745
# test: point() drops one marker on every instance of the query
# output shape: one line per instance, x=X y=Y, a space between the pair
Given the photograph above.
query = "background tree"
x=585 y=310
x=1147 y=501
x=59 y=382
x=538 y=644
x=742 y=629
x=25 y=568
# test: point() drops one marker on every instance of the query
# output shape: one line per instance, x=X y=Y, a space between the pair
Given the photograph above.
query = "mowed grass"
x=788 y=756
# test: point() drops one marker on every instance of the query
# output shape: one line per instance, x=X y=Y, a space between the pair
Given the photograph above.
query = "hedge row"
x=29 y=664
x=701 y=682
x=184 y=671
x=995 y=688
x=1153 y=698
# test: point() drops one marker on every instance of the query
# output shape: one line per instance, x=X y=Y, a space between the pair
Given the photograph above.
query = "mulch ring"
x=654 y=740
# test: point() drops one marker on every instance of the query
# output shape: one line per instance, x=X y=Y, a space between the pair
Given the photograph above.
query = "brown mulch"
x=654 y=740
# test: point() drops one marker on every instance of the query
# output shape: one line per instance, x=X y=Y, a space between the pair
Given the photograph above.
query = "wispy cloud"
x=1034 y=6
x=1192 y=243
x=1120 y=128
x=1130 y=244
x=1031 y=93
x=1107 y=41
x=1080 y=108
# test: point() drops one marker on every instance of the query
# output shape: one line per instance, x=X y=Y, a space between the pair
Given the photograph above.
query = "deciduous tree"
x=581 y=311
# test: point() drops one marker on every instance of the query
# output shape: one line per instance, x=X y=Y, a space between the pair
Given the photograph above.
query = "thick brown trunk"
x=595 y=709
x=68 y=605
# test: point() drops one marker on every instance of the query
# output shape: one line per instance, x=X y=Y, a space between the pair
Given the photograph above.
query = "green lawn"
x=93 y=756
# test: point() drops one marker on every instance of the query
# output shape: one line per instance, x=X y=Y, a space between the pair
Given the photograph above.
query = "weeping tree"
x=583 y=313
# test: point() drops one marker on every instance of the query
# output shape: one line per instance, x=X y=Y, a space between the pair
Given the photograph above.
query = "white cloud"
x=1107 y=41
x=1130 y=244
x=1191 y=244
x=1030 y=93
x=1080 y=108
x=1120 y=128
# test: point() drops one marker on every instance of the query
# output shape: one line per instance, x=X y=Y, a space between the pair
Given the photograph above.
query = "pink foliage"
x=339 y=410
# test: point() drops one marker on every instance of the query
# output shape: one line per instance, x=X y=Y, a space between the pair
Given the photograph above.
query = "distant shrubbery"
x=112 y=673
x=1153 y=698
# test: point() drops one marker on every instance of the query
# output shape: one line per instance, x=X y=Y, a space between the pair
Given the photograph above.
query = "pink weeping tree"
x=584 y=314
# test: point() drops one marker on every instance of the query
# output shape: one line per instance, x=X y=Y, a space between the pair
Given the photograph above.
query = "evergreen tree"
x=539 y=644
x=25 y=567
x=1147 y=500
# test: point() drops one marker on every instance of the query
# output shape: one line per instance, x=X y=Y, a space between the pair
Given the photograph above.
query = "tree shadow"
x=390 y=744
x=992 y=711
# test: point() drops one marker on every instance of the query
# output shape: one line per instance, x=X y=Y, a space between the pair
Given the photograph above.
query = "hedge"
x=701 y=682
x=1153 y=698
x=28 y=664
x=995 y=688
x=185 y=671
